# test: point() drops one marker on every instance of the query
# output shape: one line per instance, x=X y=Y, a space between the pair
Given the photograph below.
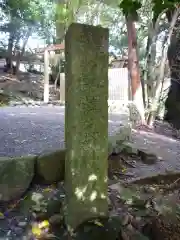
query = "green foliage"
x=45 y=16
x=130 y=8
x=61 y=13
x=23 y=16
x=159 y=6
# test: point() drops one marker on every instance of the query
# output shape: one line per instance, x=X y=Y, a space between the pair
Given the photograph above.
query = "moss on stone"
x=86 y=122
x=16 y=175
x=4 y=100
x=51 y=166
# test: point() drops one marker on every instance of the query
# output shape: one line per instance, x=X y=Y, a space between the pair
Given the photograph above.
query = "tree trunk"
x=133 y=66
x=159 y=81
x=21 y=53
x=172 y=104
x=150 y=74
x=9 y=65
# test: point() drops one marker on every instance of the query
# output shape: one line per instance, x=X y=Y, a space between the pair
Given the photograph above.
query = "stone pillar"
x=86 y=122
x=46 y=76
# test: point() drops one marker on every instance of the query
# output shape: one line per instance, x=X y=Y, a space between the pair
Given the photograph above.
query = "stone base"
x=18 y=173
x=118 y=106
x=99 y=228
x=48 y=168
x=122 y=134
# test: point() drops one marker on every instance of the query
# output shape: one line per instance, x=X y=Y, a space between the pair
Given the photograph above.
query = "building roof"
x=51 y=47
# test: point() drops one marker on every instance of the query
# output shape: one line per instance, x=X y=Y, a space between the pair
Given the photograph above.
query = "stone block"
x=86 y=122
x=51 y=167
x=121 y=135
x=16 y=174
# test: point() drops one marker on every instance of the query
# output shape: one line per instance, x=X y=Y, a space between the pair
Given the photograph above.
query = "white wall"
x=118 y=85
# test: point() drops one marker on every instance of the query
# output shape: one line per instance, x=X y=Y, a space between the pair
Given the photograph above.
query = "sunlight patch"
x=72 y=153
x=80 y=193
x=94 y=209
x=93 y=196
x=103 y=196
x=92 y=177
x=105 y=179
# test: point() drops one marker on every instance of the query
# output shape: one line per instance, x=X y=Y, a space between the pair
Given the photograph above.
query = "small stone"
x=147 y=157
x=22 y=224
x=161 y=190
x=13 y=221
x=24 y=237
x=18 y=230
x=56 y=219
x=9 y=233
x=124 y=219
x=54 y=207
x=130 y=227
x=44 y=104
x=129 y=148
x=130 y=217
x=138 y=219
x=135 y=223
x=149 y=189
x=38 y=103
x=36 y=197
x=34 y=214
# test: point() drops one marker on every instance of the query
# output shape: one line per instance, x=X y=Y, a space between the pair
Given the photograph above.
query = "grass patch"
x=4 y=100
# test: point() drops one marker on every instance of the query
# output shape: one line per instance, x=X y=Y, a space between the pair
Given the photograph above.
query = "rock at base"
x=51 y=167
x=99 y=228
x=16 y=174
x=116 y=141
x=147 y=157
x=129 y=148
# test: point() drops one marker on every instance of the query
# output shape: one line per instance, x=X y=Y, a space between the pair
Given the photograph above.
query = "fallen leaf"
x=123 y=170
x=98 y=223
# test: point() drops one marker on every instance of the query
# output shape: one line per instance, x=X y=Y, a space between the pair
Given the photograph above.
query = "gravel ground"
x=34 y=130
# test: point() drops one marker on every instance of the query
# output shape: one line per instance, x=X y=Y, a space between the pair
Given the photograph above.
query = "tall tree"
x=22 y=18
x=172 y=103
x=129 y=9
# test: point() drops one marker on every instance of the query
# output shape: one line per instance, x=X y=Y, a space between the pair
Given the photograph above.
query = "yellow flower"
x=43 y=224
x=1 y=214
x=36 y=231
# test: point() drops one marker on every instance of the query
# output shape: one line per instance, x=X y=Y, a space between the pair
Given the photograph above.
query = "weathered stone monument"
x=86 y=122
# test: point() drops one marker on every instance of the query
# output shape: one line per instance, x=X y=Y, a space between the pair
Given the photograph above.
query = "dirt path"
x=166 y=149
